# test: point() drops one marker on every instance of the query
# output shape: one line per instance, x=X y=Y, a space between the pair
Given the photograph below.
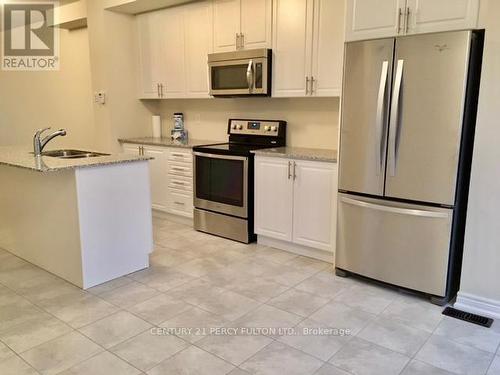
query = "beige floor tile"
x=229 y=305
x=372 y=299
x=5 y=352
x=60 y=354
x=238 y=371
x=104 y=363
x=147 y=349
x=192 y=361
x=454 y=357
x=257 y=288
x=159 y=308
x=394 y=335
x=363 y=358
x=298 y=302
x=161 y=278
x=233 y=348
x=15 y=310
x=170 y=258
x=315 y=339
x=200 y=267
x=110 y=285
x=192 y=325
x=328 y=369
x=310 y=264
x=84 y=311
x=129 y=295
x=338 y=315
x=33 y=332
x=323 y=284
x=414 y=312
x=115 y=329
x=421 y=368
x=278 y=358
x=289 y=275
x=469 y=334
x=196 y=292
x=16 y=366
x=274 y=255
x=267 y=317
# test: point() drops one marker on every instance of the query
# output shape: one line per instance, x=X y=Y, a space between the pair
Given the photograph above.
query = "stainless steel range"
x=224 y=178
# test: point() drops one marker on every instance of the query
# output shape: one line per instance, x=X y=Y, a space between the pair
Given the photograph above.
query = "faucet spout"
x=39 y=144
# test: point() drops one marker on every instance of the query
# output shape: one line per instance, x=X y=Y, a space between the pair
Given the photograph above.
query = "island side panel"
x=115 y=220
x=39 y=220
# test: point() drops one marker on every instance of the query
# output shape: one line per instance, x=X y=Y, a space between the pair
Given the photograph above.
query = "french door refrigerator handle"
x=394 y=120
x=379 y=123
x=395 y=210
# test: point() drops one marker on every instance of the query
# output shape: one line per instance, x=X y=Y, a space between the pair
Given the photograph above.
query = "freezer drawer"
x=401 y=244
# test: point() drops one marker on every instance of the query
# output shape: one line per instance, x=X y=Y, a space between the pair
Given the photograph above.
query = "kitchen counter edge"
x=300 y=153
x=166 y=142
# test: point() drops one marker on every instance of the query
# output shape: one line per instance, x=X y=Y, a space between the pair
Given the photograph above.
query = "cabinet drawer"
x=180 y=203
x=180 y=183
x=180 y=169
x=178 y=155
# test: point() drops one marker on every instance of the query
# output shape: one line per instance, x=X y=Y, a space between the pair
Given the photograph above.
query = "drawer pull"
x=181 y=203
x=178 y=183
x=179 y=169
x=180 y=155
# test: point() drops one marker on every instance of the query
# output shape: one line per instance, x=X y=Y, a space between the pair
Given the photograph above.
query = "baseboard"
x=171 y=217
x=478 y=305
x=291 y=247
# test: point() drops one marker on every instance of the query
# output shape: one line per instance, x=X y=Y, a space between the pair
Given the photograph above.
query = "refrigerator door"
x=366 y=96
x=401 y=244
x=430 y=76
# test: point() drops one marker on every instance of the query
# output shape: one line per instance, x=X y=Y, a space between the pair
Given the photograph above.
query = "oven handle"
x=216 y=156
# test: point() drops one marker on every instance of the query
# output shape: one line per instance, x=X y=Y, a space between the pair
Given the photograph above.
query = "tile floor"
x=291 y=315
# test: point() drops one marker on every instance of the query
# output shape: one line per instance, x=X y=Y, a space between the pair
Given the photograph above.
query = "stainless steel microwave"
x=240 y=73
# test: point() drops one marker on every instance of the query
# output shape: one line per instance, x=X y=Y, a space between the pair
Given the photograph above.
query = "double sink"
x=72 y=154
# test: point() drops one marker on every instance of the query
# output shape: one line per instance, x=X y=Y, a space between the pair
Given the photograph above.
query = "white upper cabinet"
x=173 y=48
x=198 y=44
x=432 y=15
x=368 y=19
x=173 y=39
x=307 y=47
x=241 y=24
x=328 y=44
x=152 y=58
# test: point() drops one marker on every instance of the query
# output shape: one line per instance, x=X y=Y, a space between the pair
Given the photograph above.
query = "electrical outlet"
x=100 y=97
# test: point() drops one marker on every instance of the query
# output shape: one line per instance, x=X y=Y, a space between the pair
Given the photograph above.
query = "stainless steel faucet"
x=39 y=144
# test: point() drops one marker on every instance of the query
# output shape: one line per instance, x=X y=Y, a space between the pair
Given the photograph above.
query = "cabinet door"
x=431 y=15
x=368 y=19
x=273 y=198
x=151 y=55
x=131 y=149
x=198 y=39
x=313 y=204
x=328 y=45
x=172 y=20
x=256 y=22
x=158 y=176
x=292 y=46
x=226 y=24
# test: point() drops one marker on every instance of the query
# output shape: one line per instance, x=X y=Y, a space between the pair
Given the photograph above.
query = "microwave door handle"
x=250 y=75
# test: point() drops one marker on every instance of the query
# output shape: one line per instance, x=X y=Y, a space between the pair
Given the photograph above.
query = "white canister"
x=156 y=122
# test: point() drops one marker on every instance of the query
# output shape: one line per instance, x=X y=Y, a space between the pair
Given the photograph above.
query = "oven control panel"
x=256 y=127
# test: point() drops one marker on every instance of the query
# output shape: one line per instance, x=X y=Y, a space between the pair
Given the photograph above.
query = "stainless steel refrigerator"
x=408 y=115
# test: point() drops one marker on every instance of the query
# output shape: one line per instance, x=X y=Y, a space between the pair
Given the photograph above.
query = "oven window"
x=229 y=77
x=220 y=180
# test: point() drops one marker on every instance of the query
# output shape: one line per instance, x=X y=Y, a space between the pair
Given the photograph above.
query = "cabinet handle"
x=179 y=169
x=179 y=155
x=407 y=20
x=181 y=203
x=237 y=41
x=289 y=170
x=312 y=86
x=294 y=172
x=242 y=40
x=179 y=183
x=158 y=89
x=400 y=14
x=307 y=85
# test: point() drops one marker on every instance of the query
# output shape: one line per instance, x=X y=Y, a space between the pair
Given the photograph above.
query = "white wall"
x=480 y=284
x=312 y=122
x=61 y=99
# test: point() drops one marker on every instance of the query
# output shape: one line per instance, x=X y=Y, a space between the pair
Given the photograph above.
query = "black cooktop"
x=233 y=148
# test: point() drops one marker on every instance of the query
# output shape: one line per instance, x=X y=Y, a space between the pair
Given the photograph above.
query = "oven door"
x=221 y=183
x=239 y=77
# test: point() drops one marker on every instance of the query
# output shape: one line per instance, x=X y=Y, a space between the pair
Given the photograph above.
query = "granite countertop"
x=314 y=154
x=22 y=157
x=167 y=142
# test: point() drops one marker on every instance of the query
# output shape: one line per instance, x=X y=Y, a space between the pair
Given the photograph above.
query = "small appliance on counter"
x=156 y=124
x=224 y=178
x=178 y=133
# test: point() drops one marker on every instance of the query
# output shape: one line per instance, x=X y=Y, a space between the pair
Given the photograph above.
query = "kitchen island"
x=86 y=220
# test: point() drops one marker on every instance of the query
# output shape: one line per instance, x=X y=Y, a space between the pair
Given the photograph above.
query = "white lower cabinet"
x=171 y=173
x=295 y=204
